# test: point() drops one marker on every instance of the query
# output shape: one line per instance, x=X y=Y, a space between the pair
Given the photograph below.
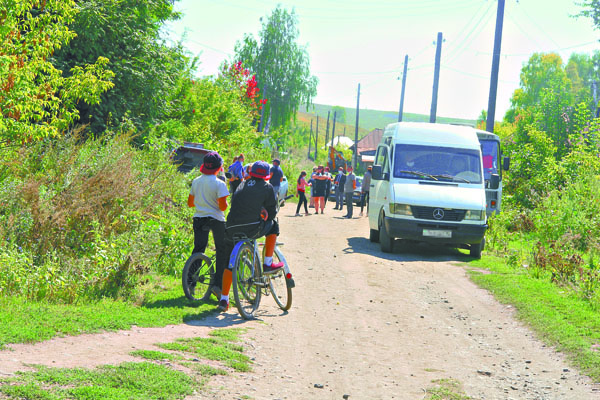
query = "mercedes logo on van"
x=438 y=213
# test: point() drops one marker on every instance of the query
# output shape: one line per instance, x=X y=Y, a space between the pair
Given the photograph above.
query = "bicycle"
x=249 y=283
x=198 y=276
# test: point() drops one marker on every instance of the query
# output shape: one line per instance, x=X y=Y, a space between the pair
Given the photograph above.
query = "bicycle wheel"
x=197 y=276
x=279 y=285
x=246 y=275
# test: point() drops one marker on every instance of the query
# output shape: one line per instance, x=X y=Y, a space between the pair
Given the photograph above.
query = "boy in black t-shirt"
x=252 y=212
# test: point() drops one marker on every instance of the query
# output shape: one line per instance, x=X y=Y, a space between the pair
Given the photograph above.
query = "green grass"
x=143 y=380
x=24 y=321
x=446 y=389
x=558 y=316
x=218 y=348
x=155 y=355
x=126 y=381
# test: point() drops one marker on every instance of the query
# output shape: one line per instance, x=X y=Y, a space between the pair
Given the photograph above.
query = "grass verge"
x=134 y=380
x=24 y=321
x=558 y=316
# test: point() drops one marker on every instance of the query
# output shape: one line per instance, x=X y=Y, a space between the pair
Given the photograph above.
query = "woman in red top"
x=301 y=187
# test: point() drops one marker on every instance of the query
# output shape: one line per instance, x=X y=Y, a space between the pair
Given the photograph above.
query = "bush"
x=90 y=219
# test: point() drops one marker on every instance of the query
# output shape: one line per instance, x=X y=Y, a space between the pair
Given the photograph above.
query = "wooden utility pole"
x=436 y=79
x=262 y=111
x=401 y=110
x=317 y=139
x=333 y=131
x=489 y=124
x=355 y=163
x=309 y=139
x=327 y=129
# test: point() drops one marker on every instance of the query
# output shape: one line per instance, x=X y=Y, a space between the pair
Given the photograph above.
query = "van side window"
x=382 y=158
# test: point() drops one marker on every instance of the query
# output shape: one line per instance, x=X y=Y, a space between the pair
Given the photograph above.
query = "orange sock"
x=227 y=277
x=270 y=242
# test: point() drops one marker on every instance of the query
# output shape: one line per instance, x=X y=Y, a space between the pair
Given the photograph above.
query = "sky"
x=352 y=42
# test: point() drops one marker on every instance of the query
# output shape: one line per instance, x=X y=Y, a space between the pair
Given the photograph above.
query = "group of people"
x=321 y=183
x=252 y=212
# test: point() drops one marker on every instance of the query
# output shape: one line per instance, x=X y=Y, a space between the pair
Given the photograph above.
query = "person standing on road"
x=319 y=186
x=364 y=195
x=237 y=173
x=339 y=182
x=328 y=184
x=349 y=187
x=209 y=196
x=276 y=176
x=301 y=188
x=311 y=182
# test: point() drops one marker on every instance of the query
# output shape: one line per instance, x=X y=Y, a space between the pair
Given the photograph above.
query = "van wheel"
x=385 y=241
x=374 y=235
x=476 y=249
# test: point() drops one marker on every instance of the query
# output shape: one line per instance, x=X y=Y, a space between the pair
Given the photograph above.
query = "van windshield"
x=437 y=163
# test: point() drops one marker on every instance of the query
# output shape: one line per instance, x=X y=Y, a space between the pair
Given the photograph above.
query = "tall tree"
x=127 y=32
x=36 y=99
x=281 y=66
x=340 y=114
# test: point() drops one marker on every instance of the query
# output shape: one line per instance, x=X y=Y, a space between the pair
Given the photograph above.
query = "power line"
x=471 y=36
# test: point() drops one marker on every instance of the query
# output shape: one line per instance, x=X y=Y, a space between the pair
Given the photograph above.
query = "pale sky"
x=365 y=41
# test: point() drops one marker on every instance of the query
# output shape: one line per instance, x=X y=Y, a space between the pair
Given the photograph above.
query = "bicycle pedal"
x=290 y=282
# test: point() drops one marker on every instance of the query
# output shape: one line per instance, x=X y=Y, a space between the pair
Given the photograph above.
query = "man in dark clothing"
x=276 y=176
x=252 y=213
x=340 y=180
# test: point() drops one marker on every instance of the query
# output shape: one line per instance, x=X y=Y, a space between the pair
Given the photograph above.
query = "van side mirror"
x=377 y=172
x=494 y=181
x=506 y=163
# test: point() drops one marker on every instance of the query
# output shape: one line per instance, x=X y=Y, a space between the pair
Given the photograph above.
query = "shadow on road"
x=406 y=251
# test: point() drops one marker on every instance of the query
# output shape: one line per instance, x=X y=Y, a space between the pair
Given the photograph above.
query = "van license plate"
x=437 y=233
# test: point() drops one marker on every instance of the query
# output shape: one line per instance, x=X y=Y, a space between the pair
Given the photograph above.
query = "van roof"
x=428 y=133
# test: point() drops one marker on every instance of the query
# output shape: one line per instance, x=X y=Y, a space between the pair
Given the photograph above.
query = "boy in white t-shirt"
x=209 y=196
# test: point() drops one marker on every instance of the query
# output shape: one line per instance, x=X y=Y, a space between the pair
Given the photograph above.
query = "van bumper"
x=413 y=230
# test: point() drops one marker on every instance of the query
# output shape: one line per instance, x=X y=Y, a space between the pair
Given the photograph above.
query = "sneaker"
x=361 y=214
x=271 y=269
x=223 y=305
x=298 y=215
x=317 y=212
x=348 y=216
x=335 y=208
x=307 y=214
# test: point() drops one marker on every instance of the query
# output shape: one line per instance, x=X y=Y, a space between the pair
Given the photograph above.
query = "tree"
x=147 y=71
x=36 y=100
x=281 y=66
x=340 y=114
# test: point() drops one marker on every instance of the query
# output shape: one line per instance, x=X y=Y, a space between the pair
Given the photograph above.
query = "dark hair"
x=302 y=174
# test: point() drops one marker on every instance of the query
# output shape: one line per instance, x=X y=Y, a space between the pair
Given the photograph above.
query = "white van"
x=428 y=186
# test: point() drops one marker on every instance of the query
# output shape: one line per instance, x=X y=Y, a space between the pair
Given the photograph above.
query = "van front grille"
x=428 y=213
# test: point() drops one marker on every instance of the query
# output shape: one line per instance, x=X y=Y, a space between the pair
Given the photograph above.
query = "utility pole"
x=436 y=79
x=401 y=110
x=489 y=125
x=333 y=131
x=356 y=130
x=262 y=111
x=327 y=130
x=317 y=138
x=309 y=139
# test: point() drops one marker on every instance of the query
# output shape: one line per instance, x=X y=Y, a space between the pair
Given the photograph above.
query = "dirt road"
x=364 y=324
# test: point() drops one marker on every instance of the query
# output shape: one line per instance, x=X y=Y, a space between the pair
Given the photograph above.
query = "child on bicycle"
x=209 y=196
x=252 y=213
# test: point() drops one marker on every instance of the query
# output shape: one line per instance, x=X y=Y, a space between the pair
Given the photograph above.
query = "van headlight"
x=400 y=209
x=475 y=215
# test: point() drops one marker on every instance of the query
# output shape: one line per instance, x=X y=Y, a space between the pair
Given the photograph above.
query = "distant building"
x=367 y=147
